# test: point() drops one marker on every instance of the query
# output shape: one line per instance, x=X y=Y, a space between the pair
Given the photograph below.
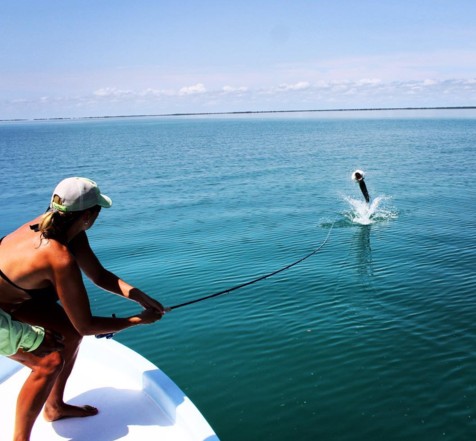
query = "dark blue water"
x=371 y=338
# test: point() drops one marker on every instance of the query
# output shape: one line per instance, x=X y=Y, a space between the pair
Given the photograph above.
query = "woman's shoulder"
x=52 y=246
x=53 y=257
x=28 y=258
x=33 y=243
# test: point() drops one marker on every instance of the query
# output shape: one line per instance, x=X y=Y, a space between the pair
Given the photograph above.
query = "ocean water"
x=371 y=338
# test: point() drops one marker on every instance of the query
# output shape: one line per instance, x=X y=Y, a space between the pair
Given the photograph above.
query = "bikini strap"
x=4 y=277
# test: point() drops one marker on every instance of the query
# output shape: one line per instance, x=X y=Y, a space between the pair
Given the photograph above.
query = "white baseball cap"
x=77 y=194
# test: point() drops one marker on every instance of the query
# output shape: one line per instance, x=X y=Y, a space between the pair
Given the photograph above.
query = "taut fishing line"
x=251 y=282
x=241 y=285
x=358 y=176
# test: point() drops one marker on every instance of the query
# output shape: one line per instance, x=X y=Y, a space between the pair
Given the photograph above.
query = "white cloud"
x=369 y=82
x=156 y=93
x=301 y=85
x=231 y=89
x=112 y=92
x=192 y=90
x=366 y=92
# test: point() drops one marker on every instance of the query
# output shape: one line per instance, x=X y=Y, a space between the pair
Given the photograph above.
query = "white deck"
x=136 y=400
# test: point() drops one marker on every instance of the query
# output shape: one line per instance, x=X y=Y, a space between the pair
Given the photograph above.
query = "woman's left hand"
x=146 y=301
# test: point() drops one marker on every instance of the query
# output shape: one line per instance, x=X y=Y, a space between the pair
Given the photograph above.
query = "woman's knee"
x=50 y=364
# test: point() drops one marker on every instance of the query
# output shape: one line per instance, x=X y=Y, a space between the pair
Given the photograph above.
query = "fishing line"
x=258 y=279
x=241 y=285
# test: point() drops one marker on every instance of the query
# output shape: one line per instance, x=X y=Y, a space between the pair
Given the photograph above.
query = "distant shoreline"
x=243 y=112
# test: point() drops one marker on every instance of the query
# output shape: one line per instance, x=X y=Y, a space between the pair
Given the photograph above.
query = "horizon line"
x=242 y=112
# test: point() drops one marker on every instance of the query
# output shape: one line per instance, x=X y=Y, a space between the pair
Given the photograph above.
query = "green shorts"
x=16 y=335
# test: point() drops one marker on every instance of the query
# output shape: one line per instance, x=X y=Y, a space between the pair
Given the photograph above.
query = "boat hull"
x=136 y=400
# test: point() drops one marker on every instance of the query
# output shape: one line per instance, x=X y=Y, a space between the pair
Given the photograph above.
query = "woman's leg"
x=35 y=390
x=52 y=316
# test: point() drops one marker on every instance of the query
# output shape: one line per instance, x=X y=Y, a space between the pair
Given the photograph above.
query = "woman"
x=41 y=263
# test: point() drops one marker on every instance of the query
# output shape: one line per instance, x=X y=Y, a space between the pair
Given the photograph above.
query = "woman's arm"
x=92 y=267
x=72 y=294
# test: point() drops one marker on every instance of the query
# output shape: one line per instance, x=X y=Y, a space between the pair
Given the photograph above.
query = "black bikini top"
x=31 y=292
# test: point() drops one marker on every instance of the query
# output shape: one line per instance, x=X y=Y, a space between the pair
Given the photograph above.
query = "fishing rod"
x=241 y=285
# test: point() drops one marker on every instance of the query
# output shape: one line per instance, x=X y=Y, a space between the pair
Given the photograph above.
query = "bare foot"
x=68 y=411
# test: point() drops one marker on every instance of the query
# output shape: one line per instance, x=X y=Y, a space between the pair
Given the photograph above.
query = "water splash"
x=367 y=214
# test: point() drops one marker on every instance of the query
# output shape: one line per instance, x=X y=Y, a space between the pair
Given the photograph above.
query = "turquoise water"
x=372 y=338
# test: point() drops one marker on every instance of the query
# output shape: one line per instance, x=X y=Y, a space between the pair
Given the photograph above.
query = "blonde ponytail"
x=54 y=224
x=46 y=221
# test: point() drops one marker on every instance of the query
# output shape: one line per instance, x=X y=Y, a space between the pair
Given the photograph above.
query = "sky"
x=80 y=58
